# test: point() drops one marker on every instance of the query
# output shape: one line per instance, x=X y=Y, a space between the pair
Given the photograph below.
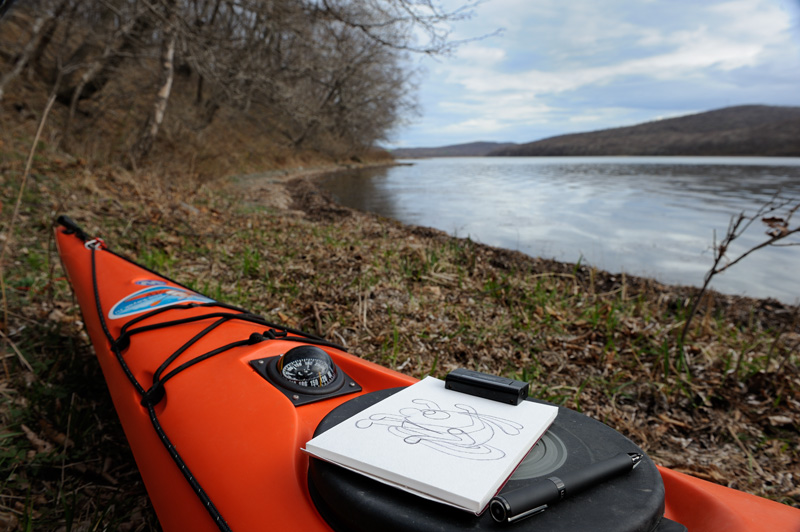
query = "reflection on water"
x=642 y=215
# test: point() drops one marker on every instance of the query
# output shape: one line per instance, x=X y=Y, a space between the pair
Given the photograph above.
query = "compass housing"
x=307 y=369
x=305 y=374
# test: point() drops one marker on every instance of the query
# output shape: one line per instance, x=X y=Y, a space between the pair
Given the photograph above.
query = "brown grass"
x=410 y=298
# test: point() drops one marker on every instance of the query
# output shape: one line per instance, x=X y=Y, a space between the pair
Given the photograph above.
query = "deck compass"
x=308 y=366
x=305 y=374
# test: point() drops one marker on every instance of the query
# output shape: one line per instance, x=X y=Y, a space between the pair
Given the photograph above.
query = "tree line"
x=315 y=72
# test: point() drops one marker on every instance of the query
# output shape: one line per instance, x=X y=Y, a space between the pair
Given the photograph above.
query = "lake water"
x=650 y=216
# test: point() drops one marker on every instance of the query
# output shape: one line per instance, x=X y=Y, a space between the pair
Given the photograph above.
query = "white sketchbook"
x=437 y=443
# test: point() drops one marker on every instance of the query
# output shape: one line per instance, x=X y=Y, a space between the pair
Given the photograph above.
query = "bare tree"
x=329 y=74
x=5 y=6
x=392 y=23
x=99 y=71
x=166 y=76
x=25 y=54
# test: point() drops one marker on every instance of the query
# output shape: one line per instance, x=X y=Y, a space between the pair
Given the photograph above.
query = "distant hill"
x=742 y=130
x=472 y=149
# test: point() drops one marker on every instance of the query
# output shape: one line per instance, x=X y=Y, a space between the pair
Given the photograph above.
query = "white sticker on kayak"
x=154 y=297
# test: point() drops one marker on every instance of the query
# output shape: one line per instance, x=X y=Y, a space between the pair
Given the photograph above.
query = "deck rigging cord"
x=154 y=393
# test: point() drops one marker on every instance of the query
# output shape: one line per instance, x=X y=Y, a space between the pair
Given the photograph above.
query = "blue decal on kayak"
x=152 y=298
x=150 y=282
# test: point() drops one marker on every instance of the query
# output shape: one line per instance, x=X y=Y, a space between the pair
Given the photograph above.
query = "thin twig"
x=18 y=352
x=777 y=337
x=66 y=445
x=787 y=355
x=764 y=244
x=15 y=214
x=318 y=320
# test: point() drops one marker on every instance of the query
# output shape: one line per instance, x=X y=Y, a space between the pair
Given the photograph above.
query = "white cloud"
x=586 y=118
x=479 y=54
x=556 y=59
x=476 y=124
x=510 y=109
x=699 y=49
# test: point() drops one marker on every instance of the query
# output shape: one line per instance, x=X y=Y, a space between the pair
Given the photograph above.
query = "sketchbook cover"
x=437 y=443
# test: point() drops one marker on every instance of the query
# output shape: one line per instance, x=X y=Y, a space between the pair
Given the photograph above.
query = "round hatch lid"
x=631 y=503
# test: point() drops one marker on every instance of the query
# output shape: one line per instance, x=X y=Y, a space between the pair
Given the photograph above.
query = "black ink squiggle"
x=462 y=432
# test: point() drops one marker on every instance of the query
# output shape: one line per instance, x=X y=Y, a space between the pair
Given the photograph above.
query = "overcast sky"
x=564 y=66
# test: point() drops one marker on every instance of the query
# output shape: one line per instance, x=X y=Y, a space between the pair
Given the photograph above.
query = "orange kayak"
x=217 y=403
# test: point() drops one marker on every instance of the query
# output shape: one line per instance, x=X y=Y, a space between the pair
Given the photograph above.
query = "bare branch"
x=778 y=231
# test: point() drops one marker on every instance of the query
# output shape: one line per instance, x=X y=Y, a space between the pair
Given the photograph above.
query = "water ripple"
x=642 y=215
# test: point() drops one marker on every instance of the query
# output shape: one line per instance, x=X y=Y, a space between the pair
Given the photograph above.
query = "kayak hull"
x=702 y=505
x=218 y=447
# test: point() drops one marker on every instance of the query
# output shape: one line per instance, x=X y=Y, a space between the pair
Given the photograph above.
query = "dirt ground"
x=726 y=408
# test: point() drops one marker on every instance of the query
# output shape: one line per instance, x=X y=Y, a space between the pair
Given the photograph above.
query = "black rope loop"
x=122 y=343
x=153 y=395
x=273 y=334
x=71 y=228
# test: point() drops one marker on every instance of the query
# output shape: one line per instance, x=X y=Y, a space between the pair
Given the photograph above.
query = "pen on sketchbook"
x=536 y=497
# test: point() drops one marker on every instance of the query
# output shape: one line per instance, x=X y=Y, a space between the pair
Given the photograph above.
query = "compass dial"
x=308 y=371
x=309 y=368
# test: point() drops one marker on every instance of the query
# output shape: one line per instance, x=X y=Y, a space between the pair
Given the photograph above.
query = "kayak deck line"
x=130 y=361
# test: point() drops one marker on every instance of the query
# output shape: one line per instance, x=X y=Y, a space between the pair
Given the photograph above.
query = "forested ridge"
x=326 y=77
x=471 y=149
x=759 y=130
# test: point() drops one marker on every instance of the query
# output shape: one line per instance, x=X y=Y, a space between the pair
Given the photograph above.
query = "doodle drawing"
x=461 y=432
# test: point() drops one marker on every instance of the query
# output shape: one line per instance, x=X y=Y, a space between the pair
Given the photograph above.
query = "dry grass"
x=407 y=297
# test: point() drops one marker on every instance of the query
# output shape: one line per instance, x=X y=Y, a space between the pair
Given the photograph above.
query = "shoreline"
x=675 y=254
x=308 y=198
x=269 y=189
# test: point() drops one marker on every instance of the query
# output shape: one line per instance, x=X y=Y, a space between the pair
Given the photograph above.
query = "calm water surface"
x=651 y=216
